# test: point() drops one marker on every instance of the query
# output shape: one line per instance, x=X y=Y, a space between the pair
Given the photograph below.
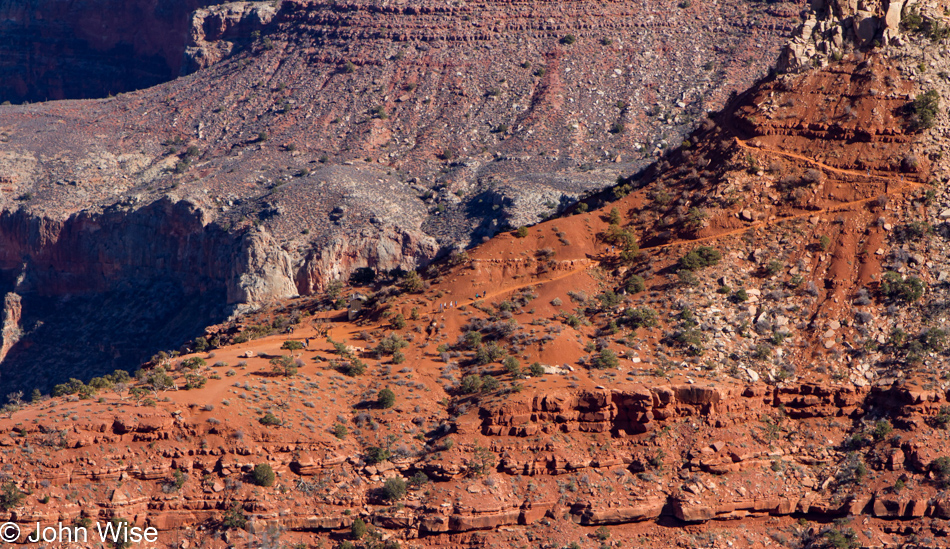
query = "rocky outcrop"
x=835 y=27
x=10 y=330
x=214 y=31
x=382 y=250
x=636 y=410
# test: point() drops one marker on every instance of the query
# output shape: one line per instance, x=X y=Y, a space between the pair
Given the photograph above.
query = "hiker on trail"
x=306 y=342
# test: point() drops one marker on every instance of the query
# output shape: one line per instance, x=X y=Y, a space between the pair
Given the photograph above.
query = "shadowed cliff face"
x=93 y=293
x=69 y=49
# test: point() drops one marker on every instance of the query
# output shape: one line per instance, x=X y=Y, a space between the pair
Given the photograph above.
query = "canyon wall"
x=63 y=49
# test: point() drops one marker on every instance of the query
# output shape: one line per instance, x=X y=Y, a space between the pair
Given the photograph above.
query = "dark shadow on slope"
x=92 y=335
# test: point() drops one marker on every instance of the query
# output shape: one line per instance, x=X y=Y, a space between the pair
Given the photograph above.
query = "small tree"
x=636 y=284
x=375 y=454
x=471 y=384
x=489 y=384
x=358 y=529
x=606 y=359
x=614 y=216
x=159 y=380
x=881 y=429
x=412 y=283
x=10 y=495
x=700 y=258
x=924 y=110
x=356 y=367
x=284 y=365
x=292 y=345
x=394 y=488
x=234 y=517
x=482 y=461
x=263 y=475
x=473 y=339
x=386 y=398
x=419 y=479
x=941 y=470
x=512 y=365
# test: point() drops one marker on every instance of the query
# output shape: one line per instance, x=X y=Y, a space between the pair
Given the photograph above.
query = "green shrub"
x=690 y=339
x=536 y=369
x=419 y=479
x=471 y=384
x=614 y=216
x=269 y=419
x=696 y=218
x=195 y=381
x=894 y=286
x=398 y=321
x=488 y=353
x=390 y=345
x=292 y=345
x=340 y=431
x=941 y=471
x=375 y=454
x=521 y=232
x=609 y=299
x=234 y=517
x=512 y=365
x=263 y=475
x=606 y=359
x=284 y=365
x=489 y=384
x=641 y=317
x=700 y=258
x=71 y=387
x=356 y=367
x=386 y=398
x=882 y=429
x=10 y=495
x=636 y=284
x=394 y=488
x=412 y=283
x=924 y=109
x=358 y=529
x=473 y=339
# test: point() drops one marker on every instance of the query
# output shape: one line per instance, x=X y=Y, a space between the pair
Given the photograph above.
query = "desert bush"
x=375 y=454
x=263 y=475
x=896 y=287
x=923 y=110
x=605 y=359
x=394 y=489
x=641 y=317
x=636 y=284
x=700 y=258
x=386 y=398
